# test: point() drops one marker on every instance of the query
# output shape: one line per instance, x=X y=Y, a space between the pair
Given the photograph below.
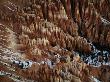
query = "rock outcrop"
x=56 y=36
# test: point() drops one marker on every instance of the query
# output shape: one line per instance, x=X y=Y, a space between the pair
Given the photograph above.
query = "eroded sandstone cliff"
x=53 y=40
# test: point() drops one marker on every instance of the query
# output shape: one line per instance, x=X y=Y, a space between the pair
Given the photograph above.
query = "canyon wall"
x=54 y=35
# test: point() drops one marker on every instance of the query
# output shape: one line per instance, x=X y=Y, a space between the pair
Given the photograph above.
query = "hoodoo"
x=54 y=40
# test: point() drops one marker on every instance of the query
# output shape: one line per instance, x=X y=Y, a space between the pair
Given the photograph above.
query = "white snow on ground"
x=95 y=79
x=94 y=58
x=1 y=24
x=105 y=21
x=14 y=77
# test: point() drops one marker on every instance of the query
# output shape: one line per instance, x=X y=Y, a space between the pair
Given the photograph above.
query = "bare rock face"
x=93 y=20
x=51 y=40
